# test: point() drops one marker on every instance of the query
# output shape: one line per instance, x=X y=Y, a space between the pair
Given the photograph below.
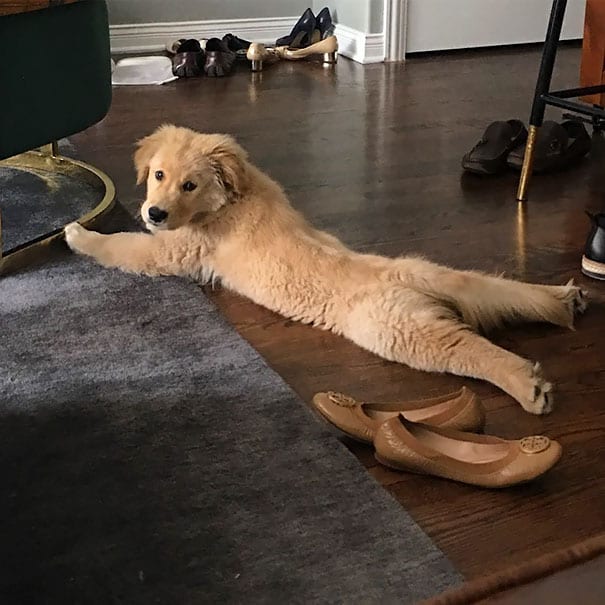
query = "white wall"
x=363 y=15
x=449 y=24
x=163 y=11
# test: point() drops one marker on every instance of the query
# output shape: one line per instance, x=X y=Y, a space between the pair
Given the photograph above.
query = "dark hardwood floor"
x=373 y=154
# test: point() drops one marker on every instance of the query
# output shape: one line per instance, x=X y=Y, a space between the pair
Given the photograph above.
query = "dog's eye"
x=189 y=186
x=159 y=175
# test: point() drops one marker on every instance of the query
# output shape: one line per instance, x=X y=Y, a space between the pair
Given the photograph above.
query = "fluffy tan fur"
x=239 y=226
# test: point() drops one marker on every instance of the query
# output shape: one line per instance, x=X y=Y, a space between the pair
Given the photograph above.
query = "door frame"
x=395 y=25
x=395 y=29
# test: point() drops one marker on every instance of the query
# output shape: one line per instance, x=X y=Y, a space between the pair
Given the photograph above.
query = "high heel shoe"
x=302 y=33
x=258 y=54
x=327 y=48
x=323 y=23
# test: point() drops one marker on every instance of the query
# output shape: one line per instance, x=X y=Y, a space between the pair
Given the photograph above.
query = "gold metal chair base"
x=528 y=163
x=47 y=159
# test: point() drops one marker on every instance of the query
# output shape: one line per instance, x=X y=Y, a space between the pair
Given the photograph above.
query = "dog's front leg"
x=132 y=252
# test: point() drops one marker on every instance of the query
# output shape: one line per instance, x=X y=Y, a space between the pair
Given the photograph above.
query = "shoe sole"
x=402 y=469
x=484 y=169
x=593 y=269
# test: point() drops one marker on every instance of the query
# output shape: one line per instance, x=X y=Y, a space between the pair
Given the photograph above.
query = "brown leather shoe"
x=461 y=410
x=188 y=59
x=219 y=59
x=480 y=460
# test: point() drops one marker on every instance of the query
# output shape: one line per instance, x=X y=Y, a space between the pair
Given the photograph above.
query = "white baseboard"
x=152 y=37
x=359 y=46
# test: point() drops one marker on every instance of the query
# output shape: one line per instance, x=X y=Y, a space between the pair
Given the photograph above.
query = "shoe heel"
x=255 y=54
x=330 y=58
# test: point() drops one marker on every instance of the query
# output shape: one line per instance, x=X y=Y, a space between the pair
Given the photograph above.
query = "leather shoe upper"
x=595 y=243
x=302 y=32
x=323 y=22
x=219 y=58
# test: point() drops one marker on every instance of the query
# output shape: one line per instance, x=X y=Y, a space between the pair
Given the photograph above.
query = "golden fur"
x=238 y=225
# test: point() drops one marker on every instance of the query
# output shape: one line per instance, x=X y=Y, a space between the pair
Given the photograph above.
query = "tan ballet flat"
x=327 y=48
x=258 y=54
x=480 y=460
x=461 y=410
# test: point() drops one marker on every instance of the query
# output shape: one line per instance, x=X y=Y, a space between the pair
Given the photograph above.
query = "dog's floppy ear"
x=146 y=148
x=228 y=160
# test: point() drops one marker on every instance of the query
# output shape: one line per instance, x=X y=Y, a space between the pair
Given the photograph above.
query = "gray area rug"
x=149 y=455
x=36 y=202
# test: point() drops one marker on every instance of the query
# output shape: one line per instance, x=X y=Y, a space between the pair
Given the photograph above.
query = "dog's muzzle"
x=157 y=215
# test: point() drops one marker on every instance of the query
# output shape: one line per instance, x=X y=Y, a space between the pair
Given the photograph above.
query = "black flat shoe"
x=236 y=45
x=301 y=34
x=489 y=155
x=593 y=260
x=558 y=146
x=323 y=23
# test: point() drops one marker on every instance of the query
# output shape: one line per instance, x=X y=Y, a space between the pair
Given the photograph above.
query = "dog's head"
x=189 y=175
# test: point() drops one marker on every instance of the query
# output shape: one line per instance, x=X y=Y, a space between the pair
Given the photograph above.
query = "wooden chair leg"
x=593 y=51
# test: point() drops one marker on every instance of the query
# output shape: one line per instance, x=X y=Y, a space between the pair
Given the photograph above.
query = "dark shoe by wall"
x=236 y=45
x=219 y=58
x=301 y=34
x=188 y=60
x=593 y=260
x=323 y=23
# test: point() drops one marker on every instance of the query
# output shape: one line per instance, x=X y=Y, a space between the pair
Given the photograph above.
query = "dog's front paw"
x=76 y=237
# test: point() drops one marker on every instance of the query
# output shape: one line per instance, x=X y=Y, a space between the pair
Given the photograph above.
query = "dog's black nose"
x=157 y=215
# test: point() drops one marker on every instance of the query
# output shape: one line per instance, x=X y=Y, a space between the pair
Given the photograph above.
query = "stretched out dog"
x=212 y=213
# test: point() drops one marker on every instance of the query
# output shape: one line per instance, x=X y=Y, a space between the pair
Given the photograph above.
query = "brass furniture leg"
x=48 y=159
x=547 y=64
x=528 y=163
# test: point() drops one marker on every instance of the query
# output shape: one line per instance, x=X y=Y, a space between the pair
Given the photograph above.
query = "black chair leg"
x=549 y=55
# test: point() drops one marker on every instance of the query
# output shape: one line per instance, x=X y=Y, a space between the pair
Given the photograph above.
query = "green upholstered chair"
x=55 y=81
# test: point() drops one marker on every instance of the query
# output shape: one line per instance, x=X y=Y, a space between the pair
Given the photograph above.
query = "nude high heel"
x=258 y=54
x=327 y=48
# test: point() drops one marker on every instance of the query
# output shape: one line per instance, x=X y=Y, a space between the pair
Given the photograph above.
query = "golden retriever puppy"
x=211 y=213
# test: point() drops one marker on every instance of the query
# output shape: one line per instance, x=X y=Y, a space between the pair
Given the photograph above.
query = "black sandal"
x=489 y=155
x=558 y=146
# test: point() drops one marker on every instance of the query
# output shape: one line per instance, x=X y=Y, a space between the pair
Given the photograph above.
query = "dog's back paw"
x=538 y=398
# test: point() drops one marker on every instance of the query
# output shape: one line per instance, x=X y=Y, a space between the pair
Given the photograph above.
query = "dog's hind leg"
x=450 y=346
x=428 y=337
x=486 y=301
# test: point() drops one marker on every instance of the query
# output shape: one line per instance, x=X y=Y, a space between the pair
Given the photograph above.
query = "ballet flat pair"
x=436 y=437
x=259 y=54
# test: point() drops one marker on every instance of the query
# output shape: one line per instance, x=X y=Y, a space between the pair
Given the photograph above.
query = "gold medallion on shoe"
x=534 y=444
x=340 y=399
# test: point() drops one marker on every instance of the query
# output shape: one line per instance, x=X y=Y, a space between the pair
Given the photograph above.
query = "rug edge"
x=521 y=574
